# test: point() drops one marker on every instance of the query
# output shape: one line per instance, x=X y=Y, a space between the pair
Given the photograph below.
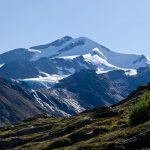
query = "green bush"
x=140 y=111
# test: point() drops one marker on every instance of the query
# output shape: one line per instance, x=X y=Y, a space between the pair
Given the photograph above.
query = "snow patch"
x=71 y=70
x=99 y=53
x=131 y=72
x=33 y=50
x=50 y=78
x=46 y=82
x=70 y=57
x=1 y=65
x=98 y=61
x=37 y=98
x=101 y=71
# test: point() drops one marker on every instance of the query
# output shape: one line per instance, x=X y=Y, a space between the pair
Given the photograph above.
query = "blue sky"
x=122 y=26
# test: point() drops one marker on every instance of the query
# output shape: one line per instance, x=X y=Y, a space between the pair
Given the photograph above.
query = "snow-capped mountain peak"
x=55 y=43
x=68 y=46
x=64 y=57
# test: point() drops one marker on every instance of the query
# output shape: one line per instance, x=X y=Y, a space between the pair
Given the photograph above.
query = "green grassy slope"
x=100 y=128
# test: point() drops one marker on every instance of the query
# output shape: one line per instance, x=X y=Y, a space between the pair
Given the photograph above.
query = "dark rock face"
x=103 y=89
x=143 y=75
x=91 y=87
x=105 y=112
x=138 y=141
x=18 y=70
x=16 y=54
x=15 y=103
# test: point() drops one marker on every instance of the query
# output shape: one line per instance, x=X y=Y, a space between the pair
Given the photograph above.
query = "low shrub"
x=140 y=112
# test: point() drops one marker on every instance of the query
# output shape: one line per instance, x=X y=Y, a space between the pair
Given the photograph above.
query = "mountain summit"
x=64 y=57
x=91 y=51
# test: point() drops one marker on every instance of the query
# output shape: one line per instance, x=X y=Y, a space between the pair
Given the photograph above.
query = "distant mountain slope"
x=18 y=103
x=100 y=128
x=104 y=89
x=15 y=104
x=83 y=90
